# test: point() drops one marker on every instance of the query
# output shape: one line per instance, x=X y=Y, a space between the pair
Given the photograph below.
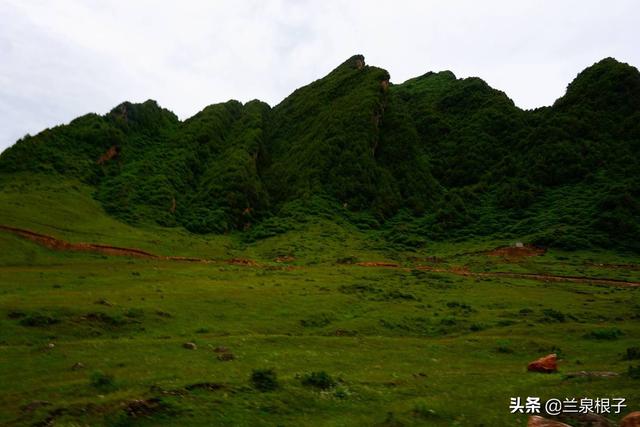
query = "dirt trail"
x=534 y=276
x=377 y=264
x=58 y=244
x=62 y=245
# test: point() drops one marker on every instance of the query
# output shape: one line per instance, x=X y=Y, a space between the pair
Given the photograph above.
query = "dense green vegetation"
x=434 y=158
x=343 y=268
x=88 y=339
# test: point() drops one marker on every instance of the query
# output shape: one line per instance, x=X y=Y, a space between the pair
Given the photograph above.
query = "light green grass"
x=399 y=342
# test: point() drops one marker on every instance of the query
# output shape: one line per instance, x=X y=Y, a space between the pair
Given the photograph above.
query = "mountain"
x=433 y=158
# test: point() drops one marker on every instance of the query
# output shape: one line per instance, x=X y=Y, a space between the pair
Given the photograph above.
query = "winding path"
x=62 y=245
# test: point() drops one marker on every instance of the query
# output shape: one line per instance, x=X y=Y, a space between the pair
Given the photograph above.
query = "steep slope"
x=466 y=126
x=326 y=138
x=201 y=174
x=565 y=175
x=435 y=157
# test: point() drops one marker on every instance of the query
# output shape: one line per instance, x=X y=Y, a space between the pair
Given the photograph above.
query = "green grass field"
x=403 y=346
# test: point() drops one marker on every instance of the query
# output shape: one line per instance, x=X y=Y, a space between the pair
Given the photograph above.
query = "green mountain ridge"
x=433 y=158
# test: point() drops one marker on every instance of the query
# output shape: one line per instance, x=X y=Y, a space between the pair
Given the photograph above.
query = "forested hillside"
x=433 y=158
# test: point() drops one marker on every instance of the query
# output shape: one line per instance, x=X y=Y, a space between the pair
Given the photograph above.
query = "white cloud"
x=63 y=58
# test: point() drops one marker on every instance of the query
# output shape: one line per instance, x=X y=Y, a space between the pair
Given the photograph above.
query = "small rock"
x=104 y=301
x=50 y=346
x=536 y=421
x=631 y=420
x=221 y=349
x=190 y=346
x=546 y=364
x=225 y=357
x=143 y=408
x=77 y=366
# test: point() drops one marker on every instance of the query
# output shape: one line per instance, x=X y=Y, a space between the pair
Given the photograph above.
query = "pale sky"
x=60 y=59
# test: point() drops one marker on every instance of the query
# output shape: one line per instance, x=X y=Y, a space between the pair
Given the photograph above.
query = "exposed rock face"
x=631 y=420
x=546 y=364
x=536 y=421
x=111 y=153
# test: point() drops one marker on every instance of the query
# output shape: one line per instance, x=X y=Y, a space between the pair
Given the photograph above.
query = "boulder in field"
x=190 y=346
x=546 y=364
x=631 y=420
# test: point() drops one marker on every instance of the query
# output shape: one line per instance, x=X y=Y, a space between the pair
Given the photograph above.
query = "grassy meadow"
x=90 y=339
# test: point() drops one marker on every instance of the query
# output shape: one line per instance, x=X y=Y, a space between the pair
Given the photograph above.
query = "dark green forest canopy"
x=433 y=158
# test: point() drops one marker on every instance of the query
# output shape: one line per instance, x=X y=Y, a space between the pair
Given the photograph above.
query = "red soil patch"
x=462 y=271
x=186 y=259
x=242 y=261
x=517 y=251
x=377 y=264
x=57 y=244
x=111 y=153
x=286 y=258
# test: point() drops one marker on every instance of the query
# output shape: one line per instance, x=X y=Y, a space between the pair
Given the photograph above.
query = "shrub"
x=102 y=381
x=604 y=334
x=504 y=346
x=421 y=410
x=316 y=321
x=633 y=353
x=38 y=320
x=634 y=372
x=134 y=313
x=264 y=379
x=551 y=315
x=320 y=380
x=342 y=393
x=476 y=327
x=448 y=321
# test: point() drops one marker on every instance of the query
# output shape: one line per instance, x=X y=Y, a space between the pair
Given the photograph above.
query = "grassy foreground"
x=87 y=339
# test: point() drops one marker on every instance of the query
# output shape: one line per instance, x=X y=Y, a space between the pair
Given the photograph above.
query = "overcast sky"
x=61 y=59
